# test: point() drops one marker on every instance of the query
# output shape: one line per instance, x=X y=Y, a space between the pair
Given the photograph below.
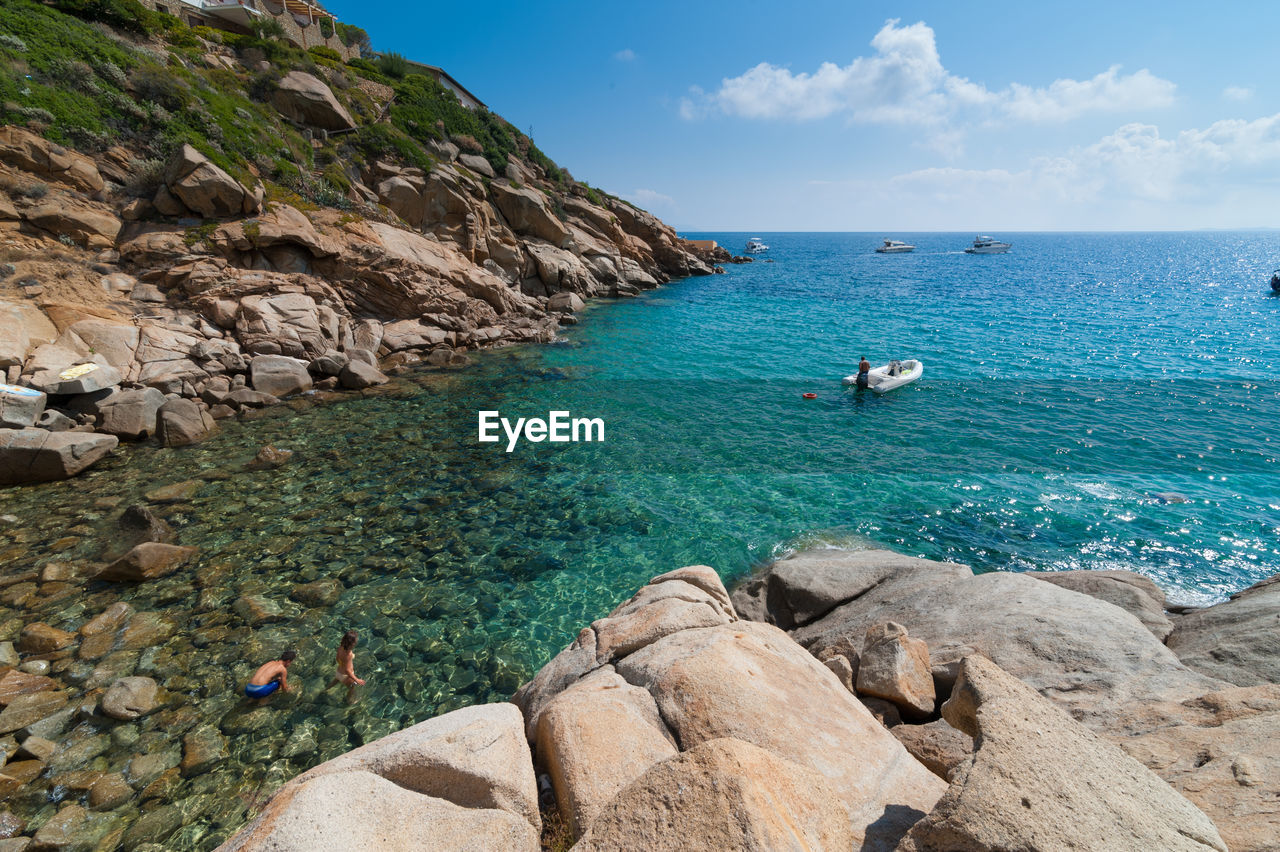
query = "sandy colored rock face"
x=751 y=682
x=805 y=587
x=724 y=794
x=306 y=99
x=1237 y=640
x=597 y=737
x=1131 y=592
x=181 y=421
x=527 y=212
x=1039 y=780
x=361 y=812
x=937 y=745
x=1089 y=656
x=476 y=757
x=1223 y=753
x=895 y=667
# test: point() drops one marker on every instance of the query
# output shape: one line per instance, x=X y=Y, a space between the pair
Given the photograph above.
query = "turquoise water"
x=1066 y=384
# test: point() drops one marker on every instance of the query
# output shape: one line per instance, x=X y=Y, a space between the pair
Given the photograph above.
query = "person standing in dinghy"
x=864 y=373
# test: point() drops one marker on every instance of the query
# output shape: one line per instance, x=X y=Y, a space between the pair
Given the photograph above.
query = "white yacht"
x=895 y=247
x=987 y=245
x=755 y=245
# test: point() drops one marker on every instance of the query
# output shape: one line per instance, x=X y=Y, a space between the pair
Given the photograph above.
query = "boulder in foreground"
x=461 y=781
x=1040 y=780
x=724 y=794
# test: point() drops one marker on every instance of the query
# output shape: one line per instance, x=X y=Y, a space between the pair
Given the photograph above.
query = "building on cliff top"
x=305 y=24
x=442 y=77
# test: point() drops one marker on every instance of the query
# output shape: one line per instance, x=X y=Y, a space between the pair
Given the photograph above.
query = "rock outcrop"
x=1101 y=662
x=464 y=780
x=1238 y=640
x=36 y=455
x=1039 y=780
x=307 y=100
x=714 y=678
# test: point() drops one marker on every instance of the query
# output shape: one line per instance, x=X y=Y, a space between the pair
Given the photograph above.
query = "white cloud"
x=625 y=55
x=905 y=82
x=649 y=199
x=1108 y=91
x=1237 y=93
x=1229 y=159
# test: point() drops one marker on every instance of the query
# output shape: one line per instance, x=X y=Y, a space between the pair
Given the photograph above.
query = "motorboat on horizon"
x=987 y=245
x=895 y=247
x=755 y=245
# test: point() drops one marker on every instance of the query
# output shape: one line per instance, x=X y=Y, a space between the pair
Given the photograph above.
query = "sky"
x=886 y=117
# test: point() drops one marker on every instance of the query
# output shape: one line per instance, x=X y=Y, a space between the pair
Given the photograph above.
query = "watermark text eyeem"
x=559 y=428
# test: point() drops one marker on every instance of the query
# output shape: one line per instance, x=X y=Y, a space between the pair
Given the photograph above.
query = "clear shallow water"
x=1066 y=383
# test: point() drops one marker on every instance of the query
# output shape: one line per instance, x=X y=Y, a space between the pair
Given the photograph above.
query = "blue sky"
x=882 y=117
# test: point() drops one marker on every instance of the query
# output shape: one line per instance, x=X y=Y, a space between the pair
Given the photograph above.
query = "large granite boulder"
x=461 y=781
x=279 y=375
x=204 y=188
x=38 y=155
x=282 y=324
x=23 y=326
x=1096 y=660
x=34 y=455
x=182 y=421
x=1130 y=591
x=806 y=586
x=751 y=682
x=307 y=100
x=1040 y=780
x=1237 y=640
x=895 y=667
x=724 y=794
x=89 y=225
x=131 y=414
x=597 y=737
x=358 y=375
x=361 y=812
x=89 y=377
x=20 y=406
x=527 y=212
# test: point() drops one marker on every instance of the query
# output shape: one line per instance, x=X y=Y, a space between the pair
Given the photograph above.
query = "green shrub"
x=326 y=27
x=266 y=28
x=353 y=36
x=325 y=53
x=393 y=65
x=12 y=42
x=126 y=14
x=160 y=86
x=209 y=33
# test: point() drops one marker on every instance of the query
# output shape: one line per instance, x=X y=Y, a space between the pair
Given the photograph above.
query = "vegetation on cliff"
x=96 y=73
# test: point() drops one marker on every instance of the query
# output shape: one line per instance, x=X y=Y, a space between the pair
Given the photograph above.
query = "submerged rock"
x=147 y=561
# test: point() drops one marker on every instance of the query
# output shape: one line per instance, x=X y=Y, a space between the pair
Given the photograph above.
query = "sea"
x=1088 y=401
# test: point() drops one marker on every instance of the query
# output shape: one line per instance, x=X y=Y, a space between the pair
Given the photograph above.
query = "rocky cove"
x=843 y=700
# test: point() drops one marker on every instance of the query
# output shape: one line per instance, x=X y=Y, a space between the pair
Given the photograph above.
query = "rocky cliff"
x=228 y=274
x=909 y=705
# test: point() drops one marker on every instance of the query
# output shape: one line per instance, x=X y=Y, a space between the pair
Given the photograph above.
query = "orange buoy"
x=811 y=396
